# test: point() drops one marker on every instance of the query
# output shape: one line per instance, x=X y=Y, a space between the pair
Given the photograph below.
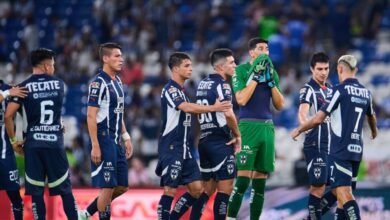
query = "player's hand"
x=236 y=141
x=96 y=154
x=18 y=147
x=128 y=148
x=222 y=106
x=269 y=77
x=18 y=91
x=295 y=133
x=258 y=70
x=374 y=134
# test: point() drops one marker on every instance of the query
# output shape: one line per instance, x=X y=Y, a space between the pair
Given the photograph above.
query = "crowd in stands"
x=149 y=30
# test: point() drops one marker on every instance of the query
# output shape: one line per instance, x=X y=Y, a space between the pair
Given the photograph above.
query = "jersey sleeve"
x=173 y=97
x=305 y=95
x=330 y=106
x=370 y=108
x=239 y=82
x=224 y=92
x=96 y=93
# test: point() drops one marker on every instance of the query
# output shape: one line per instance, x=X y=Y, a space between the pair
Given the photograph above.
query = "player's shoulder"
x=243 y=68
x=4 y=86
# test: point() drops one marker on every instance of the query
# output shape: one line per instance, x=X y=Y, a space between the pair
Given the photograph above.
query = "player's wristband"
x=5 y=94
x=125 y=136
x=13 y=140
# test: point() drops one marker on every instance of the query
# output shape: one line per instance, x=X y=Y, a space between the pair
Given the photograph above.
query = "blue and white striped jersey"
x=174 y=138
x=349 y=105
x=107 y=94
x=5 y=145
x=316 y=96
x=213 y=124
x=42 y=110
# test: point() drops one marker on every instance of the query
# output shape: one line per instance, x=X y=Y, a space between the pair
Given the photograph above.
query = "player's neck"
x=38 y=71
x=319 y=83
x=110 y=72
x=179 y=80
x=221 y=74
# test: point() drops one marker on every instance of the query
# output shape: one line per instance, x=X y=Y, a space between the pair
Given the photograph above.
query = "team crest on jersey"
x=174 y=174
x=95 y=85
x=243 y=159
x=317 y=172
x=230 y=168
x=172 y=90
x=107 y=176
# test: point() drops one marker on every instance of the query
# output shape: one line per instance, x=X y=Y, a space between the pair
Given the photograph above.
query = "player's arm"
x=243 y=96
x=311 y=123
x=14 y=91
x=372 y=124
x=127 y=141
x=197 y=109
x=92 y=130
x=10 y=112
x=303 y=112
x=277 y=98
x=232 y=124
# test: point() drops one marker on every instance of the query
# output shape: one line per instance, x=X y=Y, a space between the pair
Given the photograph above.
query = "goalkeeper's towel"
x=257 y=61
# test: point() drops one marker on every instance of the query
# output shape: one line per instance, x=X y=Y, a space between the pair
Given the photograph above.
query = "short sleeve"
x=224 y=92
x=173 y=96
x=330 y=106
x=238 y=79
x=96 y=92
x=305 y=94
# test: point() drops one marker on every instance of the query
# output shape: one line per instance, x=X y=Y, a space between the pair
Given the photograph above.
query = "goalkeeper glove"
x=269 y=77
x=257 y=70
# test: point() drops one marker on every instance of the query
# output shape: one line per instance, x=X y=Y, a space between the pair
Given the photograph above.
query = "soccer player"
x=106 y=129
x=220 y=138
x=45 y=157
x=256 y=84
x=9 y=176
x=349 y=105
x=176 y=166
x=313 y=95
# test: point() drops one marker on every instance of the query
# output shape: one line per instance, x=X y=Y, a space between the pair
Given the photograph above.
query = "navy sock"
x=314 y=207
x=38 y=207
x=92 y=208
x=198 y=207
x=340 y=214
x=351 y=210
x=17 y=204
x=327 y=201
x=182 y=205
x=164 y=207
x=220 y=206
x=106 y=214
x=70 y=206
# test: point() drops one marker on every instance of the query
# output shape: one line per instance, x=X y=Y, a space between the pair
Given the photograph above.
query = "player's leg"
x=35 y=181
x=57 y=168
x=164 y=205
x=318 y=175
x=225 y=188
x=264 y=164
x=245 y=165
x=327 y=201
x=199 y=205
x=9 y=180
x=341 y=180
x=190 y=177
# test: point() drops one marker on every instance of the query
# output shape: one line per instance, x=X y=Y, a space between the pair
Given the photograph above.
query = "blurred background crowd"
x=149 y=30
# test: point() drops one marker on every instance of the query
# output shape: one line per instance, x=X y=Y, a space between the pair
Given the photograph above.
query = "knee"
x=120 y=190
x=317 y=190
x=168 y=191
x=196 y=191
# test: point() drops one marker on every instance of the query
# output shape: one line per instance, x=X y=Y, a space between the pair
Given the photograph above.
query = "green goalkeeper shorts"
x=258 y=146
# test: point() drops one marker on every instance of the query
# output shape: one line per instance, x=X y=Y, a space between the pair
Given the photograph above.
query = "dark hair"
x=39 y=55
x=254 y=41
x=176 y=58
x=106 y=48
x=319 y=57
x=218 y=54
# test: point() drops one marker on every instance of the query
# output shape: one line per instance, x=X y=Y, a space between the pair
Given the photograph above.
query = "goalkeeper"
x=255 y=84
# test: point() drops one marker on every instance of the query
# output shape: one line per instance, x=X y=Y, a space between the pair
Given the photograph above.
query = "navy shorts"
x=217 y=161
x=9 y=174
x=175 y=171
x=46 y=162
x=317 y=166
x=113 y=170
x=343 y=172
